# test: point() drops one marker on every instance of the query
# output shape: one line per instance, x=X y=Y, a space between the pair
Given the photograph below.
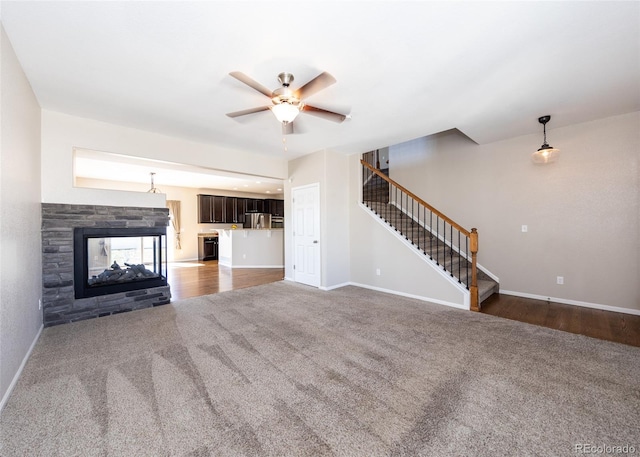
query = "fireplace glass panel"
x=116 y=260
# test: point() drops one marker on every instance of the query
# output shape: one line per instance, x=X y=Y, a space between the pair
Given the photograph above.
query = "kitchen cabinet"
x=231 y=210
x=274 y=207
x=210 y=209
x=205 y=208
x=241 y=208
x=254 y=205
x=208 y=247
x=218 y=209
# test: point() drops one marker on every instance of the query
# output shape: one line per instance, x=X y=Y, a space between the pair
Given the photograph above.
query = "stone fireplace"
x=102 y=260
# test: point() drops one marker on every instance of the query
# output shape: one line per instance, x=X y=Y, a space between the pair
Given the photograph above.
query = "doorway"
x=306 y=234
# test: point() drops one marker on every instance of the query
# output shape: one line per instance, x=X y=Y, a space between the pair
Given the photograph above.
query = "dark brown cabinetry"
x=208 y=247
x=210 y=208
x=254 y=205
x=205 y=208
x=241 y=207
x=231 y=210
x=274 y=207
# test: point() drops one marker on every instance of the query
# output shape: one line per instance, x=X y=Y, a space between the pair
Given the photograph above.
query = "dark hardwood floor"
x=596 y=323
x=193 y=279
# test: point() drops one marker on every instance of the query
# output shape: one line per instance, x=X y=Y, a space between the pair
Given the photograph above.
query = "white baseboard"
x=464 y=306
x=337 y=286
x=615 y=309
x=414 y=249
x=417 y=297
x=7 y=394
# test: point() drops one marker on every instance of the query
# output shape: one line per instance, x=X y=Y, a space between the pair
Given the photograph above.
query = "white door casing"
x=306 y=234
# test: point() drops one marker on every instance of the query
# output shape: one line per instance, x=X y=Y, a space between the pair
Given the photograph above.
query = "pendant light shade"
x=546 y=153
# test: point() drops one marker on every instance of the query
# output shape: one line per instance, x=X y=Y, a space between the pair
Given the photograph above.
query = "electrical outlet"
x=560 y=280
x=525 y=229
x=377 y=271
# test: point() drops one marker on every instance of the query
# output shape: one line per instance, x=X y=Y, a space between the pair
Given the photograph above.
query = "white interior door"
x=306 y=234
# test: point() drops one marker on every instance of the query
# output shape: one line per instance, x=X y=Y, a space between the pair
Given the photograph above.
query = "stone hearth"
x=58 y=224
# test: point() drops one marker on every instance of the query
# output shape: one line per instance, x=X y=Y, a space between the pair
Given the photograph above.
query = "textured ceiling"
x=403 y=69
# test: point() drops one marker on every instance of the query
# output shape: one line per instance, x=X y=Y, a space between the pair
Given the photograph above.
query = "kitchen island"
x=251 y=248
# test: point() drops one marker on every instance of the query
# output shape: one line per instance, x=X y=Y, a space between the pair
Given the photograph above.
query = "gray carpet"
x=287 y=370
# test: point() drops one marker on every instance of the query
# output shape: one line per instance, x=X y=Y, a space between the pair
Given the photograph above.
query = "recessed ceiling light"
x=268 y=191
x=279 y=189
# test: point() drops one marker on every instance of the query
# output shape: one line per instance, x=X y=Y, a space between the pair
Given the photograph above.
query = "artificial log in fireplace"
x=112 y=260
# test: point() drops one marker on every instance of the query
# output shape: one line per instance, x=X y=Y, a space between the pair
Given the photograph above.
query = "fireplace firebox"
x=112 y=260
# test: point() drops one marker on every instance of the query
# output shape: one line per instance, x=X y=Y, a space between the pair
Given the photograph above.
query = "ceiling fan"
x=288 y=103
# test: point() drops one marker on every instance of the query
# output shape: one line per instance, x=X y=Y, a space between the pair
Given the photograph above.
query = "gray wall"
x=20 y=259
x=582 y=213
x=402 y=270
x=331 y=171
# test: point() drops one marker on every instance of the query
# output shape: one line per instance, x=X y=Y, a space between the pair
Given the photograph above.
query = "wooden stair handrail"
x=472 y=235
x=460 y=228
x=473 y=288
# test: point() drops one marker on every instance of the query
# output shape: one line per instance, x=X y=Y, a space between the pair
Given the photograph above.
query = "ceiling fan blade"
x=322 y=81
x=323 y=113
x=248 y=111
x=251 y=83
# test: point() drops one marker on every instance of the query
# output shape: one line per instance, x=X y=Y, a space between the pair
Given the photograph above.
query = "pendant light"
x=154 y=189
x=546 y=153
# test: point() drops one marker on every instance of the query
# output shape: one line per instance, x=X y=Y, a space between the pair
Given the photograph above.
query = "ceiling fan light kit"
x=287 y=103
x=546 y=153
x=285 y=112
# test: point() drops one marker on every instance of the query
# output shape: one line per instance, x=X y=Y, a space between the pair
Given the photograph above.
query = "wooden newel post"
x=475 y=301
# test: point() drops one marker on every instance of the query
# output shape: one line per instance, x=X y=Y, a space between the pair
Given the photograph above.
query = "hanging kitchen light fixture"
x=546 y=153
x=154 y=189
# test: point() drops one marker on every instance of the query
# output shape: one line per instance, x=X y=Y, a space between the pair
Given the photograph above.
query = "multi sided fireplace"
x=112 y=260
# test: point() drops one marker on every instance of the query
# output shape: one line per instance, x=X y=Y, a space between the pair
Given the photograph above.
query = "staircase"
x=444 y=242
x=377 y=188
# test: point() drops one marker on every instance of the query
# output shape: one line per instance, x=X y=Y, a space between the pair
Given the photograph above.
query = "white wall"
x=61 y=133
x=582 y=213
x=331 y=171
x=20 y=253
